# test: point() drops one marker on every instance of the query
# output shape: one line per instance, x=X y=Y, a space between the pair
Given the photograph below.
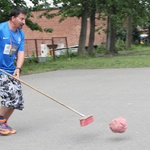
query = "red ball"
x=118 y=125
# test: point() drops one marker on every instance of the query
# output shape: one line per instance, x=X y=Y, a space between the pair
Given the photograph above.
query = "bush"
x=120 y=45
x=33 y=58
x=101 y=48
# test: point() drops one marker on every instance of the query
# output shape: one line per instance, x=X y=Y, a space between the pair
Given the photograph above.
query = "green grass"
x=138 y=57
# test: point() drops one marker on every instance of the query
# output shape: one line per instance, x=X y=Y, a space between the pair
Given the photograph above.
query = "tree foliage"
x=7 y=5
x=118 y=11
x=115 y=11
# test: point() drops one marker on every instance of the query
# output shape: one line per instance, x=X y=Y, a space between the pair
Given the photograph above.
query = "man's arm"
x=19 y=63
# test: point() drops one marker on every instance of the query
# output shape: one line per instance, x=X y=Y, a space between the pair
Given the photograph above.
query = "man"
x=11 y=61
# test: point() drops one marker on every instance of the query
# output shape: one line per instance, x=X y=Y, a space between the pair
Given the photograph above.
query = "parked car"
x=63 y=51
x=144 y=38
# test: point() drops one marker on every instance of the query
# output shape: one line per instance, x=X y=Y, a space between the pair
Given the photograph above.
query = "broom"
x=85 y=120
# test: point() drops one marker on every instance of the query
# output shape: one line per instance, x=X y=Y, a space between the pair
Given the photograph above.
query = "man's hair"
x=16 y=12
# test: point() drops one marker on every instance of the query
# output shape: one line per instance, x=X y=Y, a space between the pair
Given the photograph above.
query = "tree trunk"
x=111 y=37
x=92 y=33
x=83 y=32
x=149 y=35
x=129 y=32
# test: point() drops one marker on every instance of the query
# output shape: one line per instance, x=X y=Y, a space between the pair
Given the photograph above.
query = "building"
x=65 y=33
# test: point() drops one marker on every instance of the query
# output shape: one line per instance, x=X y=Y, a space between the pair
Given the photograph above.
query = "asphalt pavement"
x=104 y=93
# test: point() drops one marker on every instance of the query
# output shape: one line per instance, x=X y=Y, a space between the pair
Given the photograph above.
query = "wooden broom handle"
x=43 y=93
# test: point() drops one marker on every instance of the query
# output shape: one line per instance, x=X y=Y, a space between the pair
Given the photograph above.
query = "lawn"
x=137 y=57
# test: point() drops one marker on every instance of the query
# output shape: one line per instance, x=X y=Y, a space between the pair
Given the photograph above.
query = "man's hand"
x=17 y=72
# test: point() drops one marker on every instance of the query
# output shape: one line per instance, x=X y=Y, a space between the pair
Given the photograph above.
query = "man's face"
x=19 y=21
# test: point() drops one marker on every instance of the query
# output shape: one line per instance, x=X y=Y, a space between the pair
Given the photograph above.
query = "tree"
x=74 y=8
x=137 y=13
x=118 y=14
x=115 y=11
x=114 y=16
x=84 y=9
x=83 y=32
x=7 y=5
x=129 y=30
x=92 y=29
x=92 y=32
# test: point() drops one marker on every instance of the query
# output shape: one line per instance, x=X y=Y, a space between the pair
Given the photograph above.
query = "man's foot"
x=3 y=128
x=12 y=131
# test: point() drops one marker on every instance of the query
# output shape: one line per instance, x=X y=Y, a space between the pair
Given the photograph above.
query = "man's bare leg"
x=6 y=112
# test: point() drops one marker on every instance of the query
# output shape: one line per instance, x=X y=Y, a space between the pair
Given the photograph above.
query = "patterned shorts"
x=11 y=92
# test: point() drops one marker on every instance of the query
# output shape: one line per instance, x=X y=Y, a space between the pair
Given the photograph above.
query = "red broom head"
x=86 y=120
